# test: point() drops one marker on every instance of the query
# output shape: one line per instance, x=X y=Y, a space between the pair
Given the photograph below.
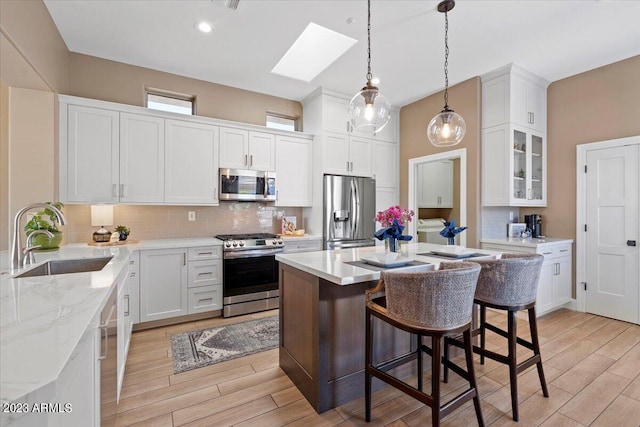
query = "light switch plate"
x=192 y=216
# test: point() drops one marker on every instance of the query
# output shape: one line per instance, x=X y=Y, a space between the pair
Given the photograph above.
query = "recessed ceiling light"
x=205 y=27
x=313 y=51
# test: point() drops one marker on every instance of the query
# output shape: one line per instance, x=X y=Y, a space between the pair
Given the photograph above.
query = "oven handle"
x=252 y=253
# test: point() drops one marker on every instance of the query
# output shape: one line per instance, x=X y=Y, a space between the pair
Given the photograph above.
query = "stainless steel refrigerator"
x=349 y=211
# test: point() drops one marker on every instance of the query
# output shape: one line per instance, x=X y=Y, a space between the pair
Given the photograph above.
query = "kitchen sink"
x=63 y=266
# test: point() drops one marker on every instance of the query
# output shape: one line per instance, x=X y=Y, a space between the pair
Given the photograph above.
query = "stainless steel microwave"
x=247 y=185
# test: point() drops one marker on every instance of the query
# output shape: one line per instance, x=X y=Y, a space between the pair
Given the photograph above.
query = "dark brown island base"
x=322 y=323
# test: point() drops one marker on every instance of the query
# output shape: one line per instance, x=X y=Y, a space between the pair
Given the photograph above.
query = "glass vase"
x=391 y=244
x=451 y=241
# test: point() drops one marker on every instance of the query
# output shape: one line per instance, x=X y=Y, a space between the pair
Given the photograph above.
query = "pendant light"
x=447 y=128
x=369 y=110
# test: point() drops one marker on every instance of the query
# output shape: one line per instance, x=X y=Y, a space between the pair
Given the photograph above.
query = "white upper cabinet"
x=191 y=173
x=89 y=155
x=513 y=95
x=141 y=159
x=385 y=164
x=514 y=142
x=243 y=149
x=294 y=165
x=435 y=181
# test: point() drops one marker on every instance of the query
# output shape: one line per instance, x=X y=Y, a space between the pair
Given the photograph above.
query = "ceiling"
x=553 y=39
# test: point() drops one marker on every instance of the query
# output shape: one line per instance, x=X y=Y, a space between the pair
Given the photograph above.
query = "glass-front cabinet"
x=513 y=167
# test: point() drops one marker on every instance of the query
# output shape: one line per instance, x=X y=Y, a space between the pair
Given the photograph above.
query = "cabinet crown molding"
x=513 y=68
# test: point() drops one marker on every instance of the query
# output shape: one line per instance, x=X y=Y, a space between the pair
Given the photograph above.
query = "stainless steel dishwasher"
x=109 y=361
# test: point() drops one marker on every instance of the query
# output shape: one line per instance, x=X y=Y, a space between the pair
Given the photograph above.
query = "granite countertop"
x=53 y=312
x=528 y=242
x=332 y=265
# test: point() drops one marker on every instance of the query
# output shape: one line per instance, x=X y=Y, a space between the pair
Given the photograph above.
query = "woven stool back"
x=440 y=299
x=511 y=280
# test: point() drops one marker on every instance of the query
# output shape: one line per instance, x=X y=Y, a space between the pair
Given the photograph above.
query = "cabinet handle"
x=564 y=250
x=122 y=190
x=351 y=166
x=251 y=160
x=208 y=273
x=126 y=312
x=533 y=118
x=184 y=258
x=347 y=123
x=245 y=160
x=131 y=262
x=133 y=274
x=205 y=253
x=547 y=253
x=347 y=166
x=114 y=190
x=103 y=329
x=205 y=299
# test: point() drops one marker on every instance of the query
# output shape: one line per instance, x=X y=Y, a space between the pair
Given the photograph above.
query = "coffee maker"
x=534 y=223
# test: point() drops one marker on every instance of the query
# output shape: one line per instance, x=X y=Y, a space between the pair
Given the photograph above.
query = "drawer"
x=204 y=252
x=204 y=273
x=555 y=251
x=304 y=246
x=205 y=298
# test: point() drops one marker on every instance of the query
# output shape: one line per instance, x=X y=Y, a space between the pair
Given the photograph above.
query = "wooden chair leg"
x=420 y=369
x=368 y=358
x=533 y=326
x=436 y=360
x=468 y=354
x=483 y=331
x=445 y=372
x=513 y=373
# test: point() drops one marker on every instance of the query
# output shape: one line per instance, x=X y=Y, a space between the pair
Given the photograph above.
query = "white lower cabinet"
x=124 y=324
x=554 y=287
x=163 y=284
x=204 y=280
x=177 y=282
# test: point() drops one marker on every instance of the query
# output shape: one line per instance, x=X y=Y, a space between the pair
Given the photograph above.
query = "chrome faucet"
x=16 y=249
x=27 y=252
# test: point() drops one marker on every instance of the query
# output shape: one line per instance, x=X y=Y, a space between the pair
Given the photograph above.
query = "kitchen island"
x=322 y=321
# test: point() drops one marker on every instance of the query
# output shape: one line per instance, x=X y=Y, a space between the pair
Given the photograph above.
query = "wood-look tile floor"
x=592 y=366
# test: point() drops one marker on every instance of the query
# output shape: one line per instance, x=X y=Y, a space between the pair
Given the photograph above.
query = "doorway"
x=608 y=227
x=415 y=175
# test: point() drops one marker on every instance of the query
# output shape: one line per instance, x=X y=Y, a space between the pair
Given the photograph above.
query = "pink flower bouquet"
x=386 y=217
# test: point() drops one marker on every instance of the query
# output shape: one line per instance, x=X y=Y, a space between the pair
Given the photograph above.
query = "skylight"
x=313 y=51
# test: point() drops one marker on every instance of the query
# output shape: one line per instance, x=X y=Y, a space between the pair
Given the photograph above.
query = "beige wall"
x=4 y=166
x=29 y=27
x=597 y=105
x=92 y=77
x=414 y=118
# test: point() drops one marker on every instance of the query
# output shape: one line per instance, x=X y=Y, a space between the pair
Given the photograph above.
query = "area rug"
x=205 y=347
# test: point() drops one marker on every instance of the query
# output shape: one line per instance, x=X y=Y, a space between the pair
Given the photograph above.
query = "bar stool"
x=509 y=283
x=432 y=303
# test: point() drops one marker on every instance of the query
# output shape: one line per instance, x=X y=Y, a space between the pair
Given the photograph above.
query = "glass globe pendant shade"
x=369 y=110
x=447 y=128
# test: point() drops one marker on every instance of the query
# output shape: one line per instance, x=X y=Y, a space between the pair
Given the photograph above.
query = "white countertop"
x=43 y=318
x=331 y=265
x=529 y=242
x=290 y=238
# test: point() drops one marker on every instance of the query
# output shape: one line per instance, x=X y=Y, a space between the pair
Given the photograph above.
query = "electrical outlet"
x=192 y=216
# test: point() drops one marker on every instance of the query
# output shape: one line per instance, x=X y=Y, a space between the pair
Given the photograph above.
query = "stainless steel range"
x=250 y=272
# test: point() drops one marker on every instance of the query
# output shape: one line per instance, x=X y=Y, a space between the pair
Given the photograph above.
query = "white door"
x=335 y=153
x=163 y=284
x=262 y=151
x=612 y=228
x=360 y=156
x=234 y=146
x=294 y=163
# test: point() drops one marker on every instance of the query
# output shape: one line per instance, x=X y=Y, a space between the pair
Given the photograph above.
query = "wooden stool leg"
x=436 y=360
x=533 y=325
x=483 y=331
x=468 y=354
x=368 y=358
x=513 y=373
x=420 y=369
x=445 y=374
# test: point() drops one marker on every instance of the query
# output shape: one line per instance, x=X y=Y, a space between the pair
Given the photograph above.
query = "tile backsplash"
x=495 y=220
x=167 y=222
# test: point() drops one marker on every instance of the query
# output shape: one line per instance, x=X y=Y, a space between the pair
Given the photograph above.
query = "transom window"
x=175 y=103
x=276 y=121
